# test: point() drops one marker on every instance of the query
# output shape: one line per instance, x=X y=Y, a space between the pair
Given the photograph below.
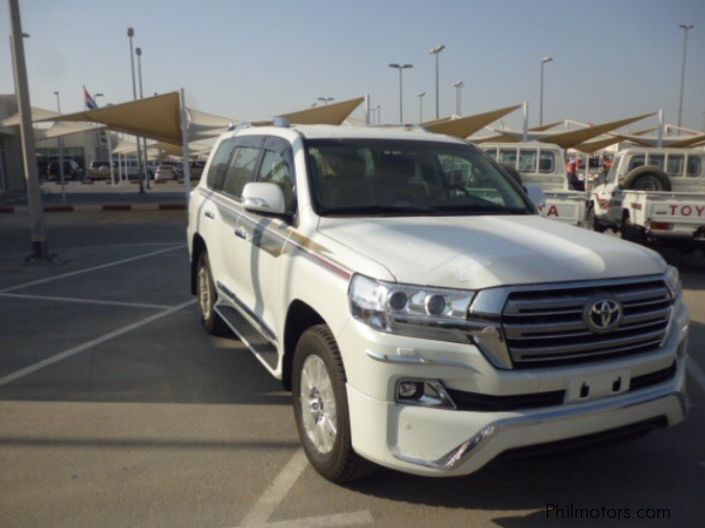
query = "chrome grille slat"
x=546 y=324
x=582 y=347
x=598 y=355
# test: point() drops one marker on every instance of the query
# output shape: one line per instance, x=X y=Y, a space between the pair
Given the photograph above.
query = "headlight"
x=673 y=281
x=418 y=311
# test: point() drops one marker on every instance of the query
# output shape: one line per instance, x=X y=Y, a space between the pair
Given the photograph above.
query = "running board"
x=248 y=334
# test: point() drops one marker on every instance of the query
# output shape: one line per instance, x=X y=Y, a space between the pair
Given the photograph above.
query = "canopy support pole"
x=660 y=129
x=184 y=142
x=34 y=195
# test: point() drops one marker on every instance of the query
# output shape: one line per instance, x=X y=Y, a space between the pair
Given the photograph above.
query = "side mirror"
x=261 y=197
x=536 y=195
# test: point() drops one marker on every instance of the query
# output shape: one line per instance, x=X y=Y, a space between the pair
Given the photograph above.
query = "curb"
x=103 y=207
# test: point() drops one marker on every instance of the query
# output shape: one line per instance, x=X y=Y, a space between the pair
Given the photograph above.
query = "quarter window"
x=241 y=170
x=275 y=169
x=694 y=166
x=547 y=161
x=674 y=164
x=219 y=164
x=527 y=160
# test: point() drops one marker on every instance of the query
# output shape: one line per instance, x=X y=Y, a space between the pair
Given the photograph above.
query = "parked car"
x=544 y=164
x=653 y=195
x=100 y=170
x=424 y=315
x=72 y=170
x=165 y=172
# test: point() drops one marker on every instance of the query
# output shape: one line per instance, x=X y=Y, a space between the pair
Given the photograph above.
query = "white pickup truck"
x=653 y=194
x=424 y=315
x=544 y=164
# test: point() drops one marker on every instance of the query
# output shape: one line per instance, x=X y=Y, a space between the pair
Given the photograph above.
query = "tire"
x=632 y=233
x=328 y=449
x=592 y=222
x=647 y=178
x=207 y=296
x=513 y=173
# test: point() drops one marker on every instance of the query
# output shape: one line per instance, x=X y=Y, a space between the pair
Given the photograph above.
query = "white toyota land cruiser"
x=423 y=321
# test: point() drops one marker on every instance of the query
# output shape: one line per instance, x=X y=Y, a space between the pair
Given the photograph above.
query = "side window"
x=508 y=157
x=275 y=169
x=219 y=165
x=674 y=165
x=241 y=170
x=636 y=161
x=657 y=160
x=694 y=166
x=547 y=161
x=527 y=160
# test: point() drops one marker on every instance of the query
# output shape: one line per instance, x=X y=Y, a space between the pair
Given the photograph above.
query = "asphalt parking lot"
x=116 y=409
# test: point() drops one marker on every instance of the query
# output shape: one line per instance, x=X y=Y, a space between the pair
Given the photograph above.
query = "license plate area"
x=596 y=386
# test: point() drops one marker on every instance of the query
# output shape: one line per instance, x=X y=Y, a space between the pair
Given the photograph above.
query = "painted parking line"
x=81 y=301
x=93 y=268
x=696 y=372
x=323 y=521
x=269 y=501
x=14 y=376
x=263 y=509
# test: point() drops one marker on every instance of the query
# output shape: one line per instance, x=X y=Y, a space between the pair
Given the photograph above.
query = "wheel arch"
x=299 y=317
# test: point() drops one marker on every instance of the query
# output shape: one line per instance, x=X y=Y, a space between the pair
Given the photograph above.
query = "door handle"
x=241 y=232
x=209 y=214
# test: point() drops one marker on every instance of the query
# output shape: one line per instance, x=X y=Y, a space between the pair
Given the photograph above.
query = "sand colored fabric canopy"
x=464 y=127
x=332 y=114
x=37 y=115
x=593 y=146
x=58 y=130
x=157 y=117
x=575 y=137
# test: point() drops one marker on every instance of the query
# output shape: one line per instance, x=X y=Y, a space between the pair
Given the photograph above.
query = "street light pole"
x=436 y=51
x=34 y=196
x=60 y=145
x=685 y=29
x=420 y=96
x=543 y=62
x=138 y=51
x=401 y=68
x=130 y=34
x=458 y=86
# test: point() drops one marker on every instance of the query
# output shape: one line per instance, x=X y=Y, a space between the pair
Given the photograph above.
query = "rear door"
x=206 y=212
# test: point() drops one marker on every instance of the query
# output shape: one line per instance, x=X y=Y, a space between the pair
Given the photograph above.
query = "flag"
x=88 y=100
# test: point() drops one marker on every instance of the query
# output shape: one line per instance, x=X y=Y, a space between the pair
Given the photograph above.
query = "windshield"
x=382 y=177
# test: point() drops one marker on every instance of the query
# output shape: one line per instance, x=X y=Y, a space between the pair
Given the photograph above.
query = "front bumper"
x=416 y=439
x=439 y=442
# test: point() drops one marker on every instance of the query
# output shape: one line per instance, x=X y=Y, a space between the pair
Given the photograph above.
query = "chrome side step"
x=260 y=346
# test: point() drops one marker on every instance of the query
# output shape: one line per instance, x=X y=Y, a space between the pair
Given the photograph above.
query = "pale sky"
x=255 y=59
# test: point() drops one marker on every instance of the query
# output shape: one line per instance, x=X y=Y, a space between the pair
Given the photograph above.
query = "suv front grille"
x=545 y=327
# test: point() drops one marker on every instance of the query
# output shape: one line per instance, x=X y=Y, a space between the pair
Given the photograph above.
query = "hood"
x=485 y=251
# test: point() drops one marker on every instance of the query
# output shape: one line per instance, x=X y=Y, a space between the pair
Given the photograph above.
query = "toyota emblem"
x=602 y=314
